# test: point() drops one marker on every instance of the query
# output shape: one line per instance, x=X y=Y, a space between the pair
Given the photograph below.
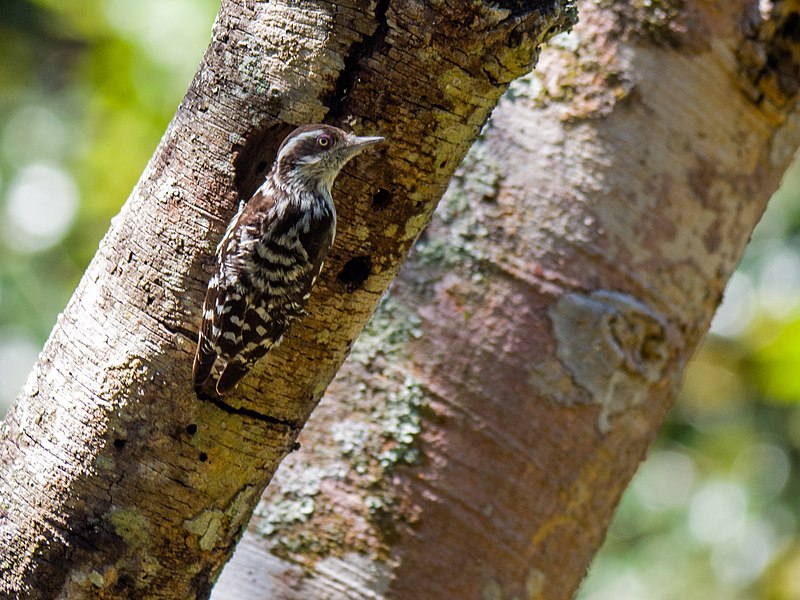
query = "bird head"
x=313 y=155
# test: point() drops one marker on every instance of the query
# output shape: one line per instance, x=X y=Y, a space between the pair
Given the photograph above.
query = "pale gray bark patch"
x=613 y=345
x=352 y=576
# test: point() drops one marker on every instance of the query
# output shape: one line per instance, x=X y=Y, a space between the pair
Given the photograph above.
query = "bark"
x=115 y=480
x=477 y=441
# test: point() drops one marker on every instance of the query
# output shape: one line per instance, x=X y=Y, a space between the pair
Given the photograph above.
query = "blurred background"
x=86 y=90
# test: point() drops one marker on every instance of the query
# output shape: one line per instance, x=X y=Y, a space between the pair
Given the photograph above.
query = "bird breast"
x=281 y=265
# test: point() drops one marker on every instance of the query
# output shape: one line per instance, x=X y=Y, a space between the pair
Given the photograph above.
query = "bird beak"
x=356 y=144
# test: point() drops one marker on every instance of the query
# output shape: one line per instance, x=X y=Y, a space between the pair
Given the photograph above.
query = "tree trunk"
x=116 y=481
x=479 y=437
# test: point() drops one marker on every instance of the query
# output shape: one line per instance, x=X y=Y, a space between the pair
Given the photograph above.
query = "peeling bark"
x=115 y=480
x=478 y=439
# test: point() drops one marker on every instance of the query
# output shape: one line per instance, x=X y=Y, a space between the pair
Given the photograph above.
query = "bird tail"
x=204 y=358
x=231 y=375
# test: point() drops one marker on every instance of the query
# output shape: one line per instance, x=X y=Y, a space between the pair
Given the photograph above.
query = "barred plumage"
x=272 y=253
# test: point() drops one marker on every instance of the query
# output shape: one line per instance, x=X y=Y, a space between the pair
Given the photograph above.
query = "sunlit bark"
x=478 y=439
x=116 y=481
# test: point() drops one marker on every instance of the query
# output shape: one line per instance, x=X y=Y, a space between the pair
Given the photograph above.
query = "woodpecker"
x=272 y=253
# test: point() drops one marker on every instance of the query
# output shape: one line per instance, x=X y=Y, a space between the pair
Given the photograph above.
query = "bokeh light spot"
x=766 y=467
x=41 y=204
x=742 y=560
x=665 y=480
x=33 y=133
x=717 y=512
x=738 y=307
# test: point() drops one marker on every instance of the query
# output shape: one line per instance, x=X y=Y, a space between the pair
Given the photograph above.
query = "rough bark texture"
x=478 y=439
x=115 y=480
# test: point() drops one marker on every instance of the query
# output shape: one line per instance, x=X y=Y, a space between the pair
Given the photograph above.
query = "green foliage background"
x=87 y=87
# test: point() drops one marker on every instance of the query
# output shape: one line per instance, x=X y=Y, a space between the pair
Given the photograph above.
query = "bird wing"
x=317 y=243
x=266 y=322
x=205 y=355
x=225 y=304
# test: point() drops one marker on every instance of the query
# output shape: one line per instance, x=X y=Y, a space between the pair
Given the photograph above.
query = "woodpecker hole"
x=355 y=272
x=203 y=457
x=791 y=27
x=119 y=444
x=381 y=199
x=191 y=429
x=253 y=159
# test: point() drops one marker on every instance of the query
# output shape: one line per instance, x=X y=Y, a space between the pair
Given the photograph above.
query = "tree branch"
x=116 y=481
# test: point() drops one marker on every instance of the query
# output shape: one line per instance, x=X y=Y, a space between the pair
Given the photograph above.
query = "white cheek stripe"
x=294 y=141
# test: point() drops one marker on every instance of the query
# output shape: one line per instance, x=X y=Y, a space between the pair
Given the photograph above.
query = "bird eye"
x=324 y=141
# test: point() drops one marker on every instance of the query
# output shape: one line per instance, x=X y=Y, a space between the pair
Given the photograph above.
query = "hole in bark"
x=355 y=272
x=191 y=429
x=295 y=446
x=443 y=164
x=203 y=457
x=381 y=199
x=256 y=156
x=791 y=28
x=119 y=444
